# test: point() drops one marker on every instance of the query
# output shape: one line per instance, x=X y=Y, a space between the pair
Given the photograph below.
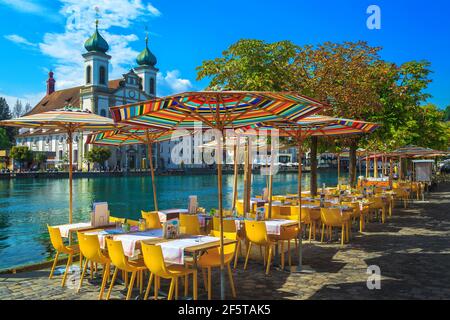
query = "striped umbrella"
x=130 y=136
x=220 y=110
x=68 y=120
x=316 y=125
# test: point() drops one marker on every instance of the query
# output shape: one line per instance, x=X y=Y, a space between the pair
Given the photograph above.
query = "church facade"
x=97 y=94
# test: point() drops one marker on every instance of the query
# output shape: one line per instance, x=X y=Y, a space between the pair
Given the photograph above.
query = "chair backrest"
x=133 y=223
x=115 y=252
x=256 y=231
x=154 y=259
x=240 y=207
x=115 y=219
x=151 y=219
x=377 y=201
x=306 y=214
x=189 y=224
x=90 y=247
x=230 y=248
x=331 y=216
x=228 y=225
x=56 y=239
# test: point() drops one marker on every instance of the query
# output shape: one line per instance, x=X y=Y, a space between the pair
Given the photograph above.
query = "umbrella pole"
x=244 y=198
x=360 y=167
x=300 y=238
x=219 y=187
x=69 y=140
x=339 y=171
x=235 y=178
x=391 y=172
x=375 y=167
x=269 y=214
x=367 y=165
x=152 y=173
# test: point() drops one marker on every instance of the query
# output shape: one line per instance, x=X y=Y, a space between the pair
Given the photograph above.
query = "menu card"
x=100 y=214
x=193 y=204
x=171 y=229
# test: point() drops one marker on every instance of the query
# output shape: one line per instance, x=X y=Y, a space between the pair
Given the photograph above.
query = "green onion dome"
x=96 y=42
x=146 y=57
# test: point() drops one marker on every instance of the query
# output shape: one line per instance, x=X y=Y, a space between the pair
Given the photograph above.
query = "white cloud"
x=19 y=40
x=66 y=47
x=153 y=10
x=30 y=7
x=32 y=98
x=173 y=82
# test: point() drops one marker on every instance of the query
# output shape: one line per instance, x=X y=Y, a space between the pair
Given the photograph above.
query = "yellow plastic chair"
x=90 y=248
x=357 y=213
x=211 y=259
x=115 y=219
x=256 y=233
x=332 y=217
x=120 y=261
x=189 y=224
x=151 y=219
x=377 y=203
x=133 y=223
x=229 y=226
x=154 y=261
x=61 y=248
x=310 y=218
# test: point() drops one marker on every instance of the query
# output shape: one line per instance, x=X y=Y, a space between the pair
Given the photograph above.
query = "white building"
x=97 y=94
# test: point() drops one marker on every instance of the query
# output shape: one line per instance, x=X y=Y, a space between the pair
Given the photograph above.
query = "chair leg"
x=130 y=286
x=92 y=270
x=105 y=278
x=209 y=284
x=289 y=253
x=323 y=233
x=282 y=254
x=176 y=288
x=69 y=262
x=230 y=276
x=194 y=284
x=186 y=285
x=156 y=287
x=343 y=234
x=249 y=247
x=238 y=250
x=269 y=260
x=116 y=270
x=171 y=289
x=147 y=291
x=54 y=265
x=81 y=260
x=82 y=274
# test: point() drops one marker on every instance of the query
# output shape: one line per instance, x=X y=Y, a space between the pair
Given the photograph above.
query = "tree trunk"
x=313 y=181
x=352 y=166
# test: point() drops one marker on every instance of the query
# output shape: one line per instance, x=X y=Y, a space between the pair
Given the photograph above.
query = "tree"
x=447 y=114
x=21 y=154
x=5 y=143
x=98 y=155
x=5 y=114
x=28 y=108
x=18 y=109
x=40 y=158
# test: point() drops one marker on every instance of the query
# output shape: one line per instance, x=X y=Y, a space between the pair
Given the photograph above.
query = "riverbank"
x=135 y=173
x=411 y=250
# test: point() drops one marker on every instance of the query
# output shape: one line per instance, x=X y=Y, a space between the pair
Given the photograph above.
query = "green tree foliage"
x=5 y=143
x=40 y=158
x=447 y=114
x=98 y=155
x=21 y=154
x=5 y=114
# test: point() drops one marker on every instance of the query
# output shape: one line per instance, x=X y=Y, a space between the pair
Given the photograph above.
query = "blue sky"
x=39 y=35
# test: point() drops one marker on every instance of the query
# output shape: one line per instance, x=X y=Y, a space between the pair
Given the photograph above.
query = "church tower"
x=147 y=70
x=94 y=94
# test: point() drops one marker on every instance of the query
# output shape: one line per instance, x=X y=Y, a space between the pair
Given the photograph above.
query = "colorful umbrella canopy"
x=316 y=125
x=224 y=110
x=68 y=120
x=129 y=136
x=219 y=110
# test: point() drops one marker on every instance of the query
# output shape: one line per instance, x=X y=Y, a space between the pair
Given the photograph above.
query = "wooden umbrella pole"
x=299 y=177
x=244 y=198
x=391 y=172
x=269 y=214
x=400 y=169
x=235 y=178
x=219 y=187
x=69 y=141
x=249 y=172
x=152 y=173
x=375 y=167
x=339 y=171
x=360 y=166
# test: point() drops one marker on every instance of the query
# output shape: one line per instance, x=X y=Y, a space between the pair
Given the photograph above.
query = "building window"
x=88 y=74
x=103 y=113
x=60 y=155
x=102 y=75
x=152 y=86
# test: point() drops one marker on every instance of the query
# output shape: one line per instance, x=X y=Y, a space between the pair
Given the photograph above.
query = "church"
x=97 y=94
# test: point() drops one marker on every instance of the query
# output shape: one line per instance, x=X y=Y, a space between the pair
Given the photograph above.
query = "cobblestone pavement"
x=412 y=251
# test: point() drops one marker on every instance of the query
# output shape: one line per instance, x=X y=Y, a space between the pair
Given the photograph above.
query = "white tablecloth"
x=273 y=227
x=65 y=228
x=173 y=251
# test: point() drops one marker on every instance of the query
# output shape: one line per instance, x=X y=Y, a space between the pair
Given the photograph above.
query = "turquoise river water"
x=28 y=205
